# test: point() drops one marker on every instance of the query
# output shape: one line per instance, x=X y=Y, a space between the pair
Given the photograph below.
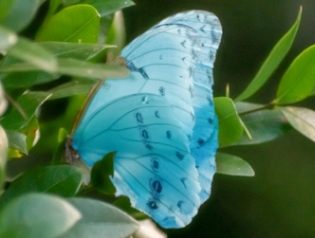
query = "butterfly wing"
x=158 y=119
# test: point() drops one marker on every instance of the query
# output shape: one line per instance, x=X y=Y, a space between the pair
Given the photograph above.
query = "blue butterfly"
x=160 y=119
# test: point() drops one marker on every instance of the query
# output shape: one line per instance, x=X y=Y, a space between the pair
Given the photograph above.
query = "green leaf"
x=7 y=38
x=25 y=110
x=3 y=154
x=230 y=124
x=273 y=60
x=78 y=23
x=233 y=165
x=298 y=82
x=99 y=220
x=101 y=174
x=263 y=125
x=3 y=101
x=116 y=35
x=109 y=6
x=26 y=79
x=301 y=119
x=17 y=141
x=80 y=51
x=90 y=70
x=63 y=180
x=71 y=89
x=17 y=14
x=74 y=67
x=33 y=54
x=37 y=215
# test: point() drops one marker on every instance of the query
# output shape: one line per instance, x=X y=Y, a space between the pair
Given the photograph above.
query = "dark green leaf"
x=302 y=119
x=263 y=125
x=101 y=174
x=3 y=154
x=37 y=215
x=230 y=124
x=78 y=23
x=109 y=6
x=25 y=110
x=298 y=82
x=273 y=60
x=17 y=14
x=233 y=165
x=63 y=180
x=100 y=220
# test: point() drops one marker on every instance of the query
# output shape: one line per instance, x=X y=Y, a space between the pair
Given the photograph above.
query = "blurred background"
x=280 y=200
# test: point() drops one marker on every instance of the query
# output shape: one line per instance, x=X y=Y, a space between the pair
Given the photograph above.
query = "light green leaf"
x=273 y=60
x=17 y=14
x=74 y=67
x=100 y=220
x=233 y=165
x=3 y=101
x=263 y=125
x=230 y=124
x=37 y=215
x=3 y=154
x=63 y=180
x=17 y=141
x=25 y=110
x=109 y=6
x=301 y=119
x=7 y=38
x=298 y=82
x=116 y=35
x=78 y=23
x=80 y=51
x=33 y=54
x=71 y=89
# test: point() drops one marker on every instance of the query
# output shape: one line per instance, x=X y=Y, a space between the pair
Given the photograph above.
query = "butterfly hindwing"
x=160 y=119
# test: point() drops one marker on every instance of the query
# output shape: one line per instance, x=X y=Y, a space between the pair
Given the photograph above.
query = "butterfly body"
x=160 y=119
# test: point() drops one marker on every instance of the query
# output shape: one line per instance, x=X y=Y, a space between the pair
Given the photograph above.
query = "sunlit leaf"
x=298 y=82
x=109 y=6
x=302 y=119
x=233 y=165
x=17 y=14
x=273 y=60
x=78 y=23
x=100 y=220
x=230 y=124
x=3 y=154
x=37 y=215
